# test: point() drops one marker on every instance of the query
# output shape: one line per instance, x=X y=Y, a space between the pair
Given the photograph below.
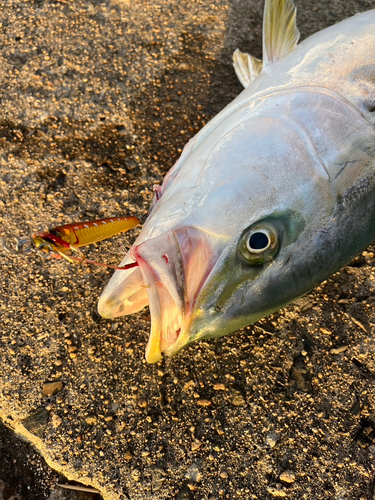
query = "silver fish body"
x=269 y=199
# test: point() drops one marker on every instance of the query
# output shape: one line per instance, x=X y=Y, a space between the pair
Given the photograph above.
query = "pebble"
x=51 y=388
x=91 y=420
x=272 y=439
x=203 y=402
x=136 y=475
x=339 y=350
x=219 y=387
x=288 y=477
x=184 y=494
x=276 y=491
x=195 y=445
x=193 y=473
x=238 y=399
x=56 y=420
x=325 y=331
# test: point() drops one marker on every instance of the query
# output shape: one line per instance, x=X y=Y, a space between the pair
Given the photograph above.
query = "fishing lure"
x=65 y=241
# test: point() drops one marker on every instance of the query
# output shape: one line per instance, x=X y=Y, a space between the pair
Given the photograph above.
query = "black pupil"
x=258 y=241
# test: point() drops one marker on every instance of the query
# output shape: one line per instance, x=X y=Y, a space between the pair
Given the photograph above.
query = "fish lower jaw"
x=168 y=341
x=155 y=348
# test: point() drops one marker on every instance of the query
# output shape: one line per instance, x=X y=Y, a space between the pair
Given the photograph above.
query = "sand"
x=97 y=101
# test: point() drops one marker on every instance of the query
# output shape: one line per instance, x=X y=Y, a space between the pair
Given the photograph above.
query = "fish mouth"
x=172 y=269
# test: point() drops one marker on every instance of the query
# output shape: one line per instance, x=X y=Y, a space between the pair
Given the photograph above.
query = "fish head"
x=242 y=225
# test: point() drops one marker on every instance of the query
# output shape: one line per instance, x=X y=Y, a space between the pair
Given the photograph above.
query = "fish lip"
x=166 y=304
x=175 y=267
x=125 y=294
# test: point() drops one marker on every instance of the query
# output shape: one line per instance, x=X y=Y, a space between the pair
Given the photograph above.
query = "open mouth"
x=172 y=268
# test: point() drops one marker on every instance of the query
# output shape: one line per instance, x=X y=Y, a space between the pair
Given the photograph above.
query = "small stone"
x=91 y=420
x=195 y=445
x=193 y=473
x=276 y=491
x=219 y=387
x=52 y=388
x=128 y=455
x=358 y=323
x=58 y=362
x=325 y=331
x=339 y=350
x=238 y=399
x=203 y=402
x=56 y=420
x=36 y=422
x=272 y=439
x=72 y=348
x=288 y=477
x=224 y=475
x=136 y=475
x=73 y=355
x=184 y=494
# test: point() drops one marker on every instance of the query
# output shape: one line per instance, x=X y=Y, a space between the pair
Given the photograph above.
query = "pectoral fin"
x=247 y=67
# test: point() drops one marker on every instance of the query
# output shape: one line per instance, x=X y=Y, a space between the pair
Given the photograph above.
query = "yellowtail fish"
x=270 y=198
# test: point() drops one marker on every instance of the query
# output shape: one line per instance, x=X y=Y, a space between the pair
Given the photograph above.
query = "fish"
x=274 y=195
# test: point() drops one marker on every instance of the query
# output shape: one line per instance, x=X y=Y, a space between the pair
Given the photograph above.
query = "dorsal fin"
x=280 y=32
x=247 y=67
x=280 y=36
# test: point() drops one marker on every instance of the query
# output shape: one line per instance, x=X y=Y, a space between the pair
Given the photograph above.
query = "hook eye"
x=44 y=250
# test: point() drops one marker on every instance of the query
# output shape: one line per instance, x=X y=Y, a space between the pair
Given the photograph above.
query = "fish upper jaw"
x=172 y=269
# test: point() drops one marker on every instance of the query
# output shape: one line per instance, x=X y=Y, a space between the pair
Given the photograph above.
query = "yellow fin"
x=247 y=67
x=280 y=32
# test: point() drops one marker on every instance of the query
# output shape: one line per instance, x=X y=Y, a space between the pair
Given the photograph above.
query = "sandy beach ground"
x=98 y=99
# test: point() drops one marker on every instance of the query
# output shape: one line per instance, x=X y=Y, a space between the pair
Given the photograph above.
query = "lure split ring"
x=19 y=246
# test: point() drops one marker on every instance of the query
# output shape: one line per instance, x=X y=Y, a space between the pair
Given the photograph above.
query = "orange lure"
x=65 y=241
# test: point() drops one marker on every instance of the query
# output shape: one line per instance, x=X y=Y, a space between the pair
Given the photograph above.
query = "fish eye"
x=258 y=241
x=259 y=244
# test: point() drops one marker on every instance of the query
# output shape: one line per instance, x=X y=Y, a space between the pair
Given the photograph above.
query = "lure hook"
x=44 y=250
